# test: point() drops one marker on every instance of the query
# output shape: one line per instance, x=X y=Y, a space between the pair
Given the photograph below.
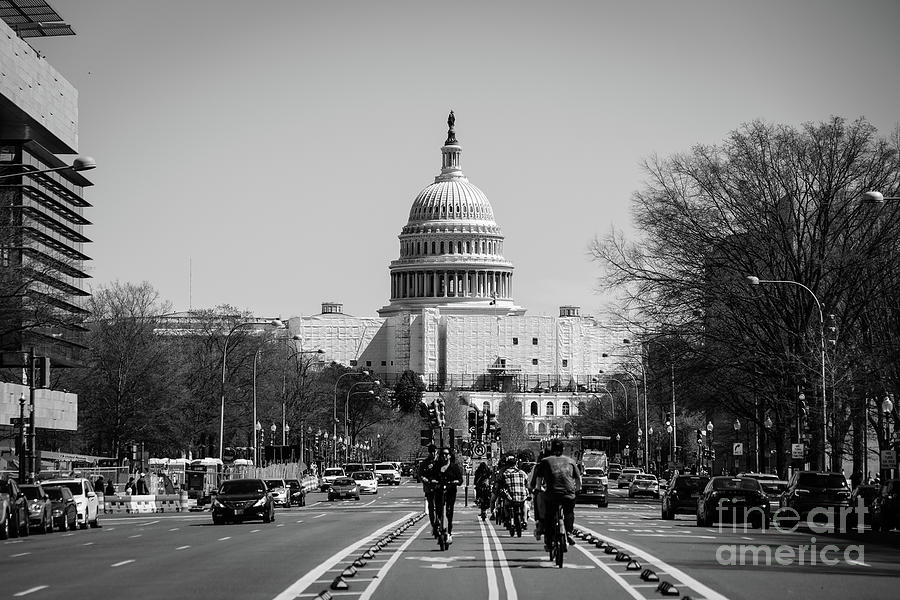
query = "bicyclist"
x=562 y=479
x=483 y=477
x=424 y=467
x=514 y=485
x=445 y=472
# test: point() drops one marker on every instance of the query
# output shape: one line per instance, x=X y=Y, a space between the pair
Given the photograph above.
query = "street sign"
x=15 y=420
x=888 y=459
x=478 y=450
x=738 y=449
x=797 y=451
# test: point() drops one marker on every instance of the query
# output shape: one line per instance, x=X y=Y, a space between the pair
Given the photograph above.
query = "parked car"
x=13 y=510
x=734 y=499
x=366 y=481
x=40 y=509
x=242 y=499
x=886 y=507
x=63 y=508
x=643 y=484
x=807 y=490
x=594 y=487
x=387 y=474
x=86 y=500
x=861 y=498
x=406 y=469
x=296 y=492
x=615 y=469
x=681 y=495
x=280 y=492
x=343 y=487
x=626 y=476
x=328 y=476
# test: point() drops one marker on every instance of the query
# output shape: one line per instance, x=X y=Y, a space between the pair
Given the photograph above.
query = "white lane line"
x=134 y=536
x=493 y=589
x=150 y=523
x=616 y=577
x=702 y=590
x=379 y=577
x=225 y=538
x=182 y=547
x=19 y=554
x=255 y=530
x=124 y=562
x=88 y=544
x=320 y=516
x=30 y=590
x=300 y=521
x=511 y=593
x=858 y=562
x=672 y=535
x=280 y=525
x=298 y=587
x=174 y=529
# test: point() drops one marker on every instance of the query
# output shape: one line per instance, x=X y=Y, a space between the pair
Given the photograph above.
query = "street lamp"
x=756 y=281
x=625 y=390
x=877 y=197
x=273 y=323
x=618 y=437
x=672 y=374
x=364 y=373
x=350 y=392
x=81 y=163
x=887 y=407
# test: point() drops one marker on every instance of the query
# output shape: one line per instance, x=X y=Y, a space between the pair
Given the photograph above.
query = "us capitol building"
x=452 y=317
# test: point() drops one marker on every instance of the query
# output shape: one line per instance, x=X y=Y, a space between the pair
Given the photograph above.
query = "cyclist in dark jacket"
x=444 y=472
x=561 y=479
x=483 y=477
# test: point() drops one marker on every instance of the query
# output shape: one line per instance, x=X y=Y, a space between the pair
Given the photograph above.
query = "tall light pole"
x=626 y=395
x=672 y=374
x=273 y=323
x=334 y=422
x=637 y=400
x=887 y=407
x=347 y=404
x=756 y=281
x=292 y=355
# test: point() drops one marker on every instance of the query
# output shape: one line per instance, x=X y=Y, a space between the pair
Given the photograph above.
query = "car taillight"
x=800 y=492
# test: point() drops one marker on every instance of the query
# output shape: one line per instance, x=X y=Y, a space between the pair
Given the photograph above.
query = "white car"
x=627 y=476
x=328 y=477
x=280 y=492
x=366 y=480
x=387 y=474
x=86 y=501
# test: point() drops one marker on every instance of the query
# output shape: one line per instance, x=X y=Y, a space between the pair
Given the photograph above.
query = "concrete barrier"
x=151 y=503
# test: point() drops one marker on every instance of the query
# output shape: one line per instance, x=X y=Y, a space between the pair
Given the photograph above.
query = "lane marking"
x=320 y=516
x=174 y=529
x=124 y=562
x=30 y=590
x=379 y=577
x=134 y=536
x=255 y=530
x=88 y=544
x=224 y=538
x=703 y=590
x=511 y=593
x=300 y=521
x=151 y=523
x=493 y=589
x=616 y=577
x=182 y=547
x=280 y=525
x=858 y=562
x=298 y=587
x=19 y=554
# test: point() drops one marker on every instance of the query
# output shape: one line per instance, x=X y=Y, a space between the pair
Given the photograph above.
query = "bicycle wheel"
x=560 y=550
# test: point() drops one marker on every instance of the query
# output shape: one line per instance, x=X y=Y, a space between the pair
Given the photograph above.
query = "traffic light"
x=41 y=372
x=441 y=415
x=699 y=437
x=426 y=436
x=432 y=416
x=493 y=426
x=472 y=422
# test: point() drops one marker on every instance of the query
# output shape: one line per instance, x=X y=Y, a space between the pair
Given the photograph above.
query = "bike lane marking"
x=493 y=591
x=379 y=577
x=707 y=592
x=298 y=587
x=504 y=567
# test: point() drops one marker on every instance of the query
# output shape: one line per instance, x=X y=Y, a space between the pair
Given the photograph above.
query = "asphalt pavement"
x=380 y=547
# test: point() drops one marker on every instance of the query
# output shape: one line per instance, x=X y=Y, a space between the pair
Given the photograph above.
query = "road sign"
x=888 y=459
x=478 y=450
x=738 y=449
x=797 y=451
x=15 y=420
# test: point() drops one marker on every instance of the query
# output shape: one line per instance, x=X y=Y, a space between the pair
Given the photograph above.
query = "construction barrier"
x=145 y=503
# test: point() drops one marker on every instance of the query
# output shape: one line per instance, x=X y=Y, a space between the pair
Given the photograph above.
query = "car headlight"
x=260 y=502
x=217 y=504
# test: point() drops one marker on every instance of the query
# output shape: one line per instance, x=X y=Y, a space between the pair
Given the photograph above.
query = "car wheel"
x=73 y=522
x=64 y=524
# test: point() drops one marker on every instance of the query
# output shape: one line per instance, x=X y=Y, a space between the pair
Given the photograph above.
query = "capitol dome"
x=451 y=249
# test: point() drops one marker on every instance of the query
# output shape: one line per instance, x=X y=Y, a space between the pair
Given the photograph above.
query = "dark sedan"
x=40 y=509
x=241 y=500
x=809 y=490
x=343 y=487
x=63 y=508
x=735 y=499
x=681 y=495
x=296 y=491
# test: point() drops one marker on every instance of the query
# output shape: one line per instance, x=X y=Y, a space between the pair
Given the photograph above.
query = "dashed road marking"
x=182 y=547
x=19 y=554
x=225 y=538
x=120 y=563
x=30 y=590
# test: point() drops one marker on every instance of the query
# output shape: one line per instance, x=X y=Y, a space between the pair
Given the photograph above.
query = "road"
x=182 y=555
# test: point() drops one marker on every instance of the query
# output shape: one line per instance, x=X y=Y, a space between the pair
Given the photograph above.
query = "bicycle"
x=440 y=517
x=515 y=518
x=558 y=543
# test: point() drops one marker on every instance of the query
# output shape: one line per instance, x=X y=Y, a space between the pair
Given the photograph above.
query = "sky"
x=266 y=154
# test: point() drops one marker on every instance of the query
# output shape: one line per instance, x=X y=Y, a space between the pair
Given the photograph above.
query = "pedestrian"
x=110 y=489
x=129 y=487
x=98 y=484
x=142 y=489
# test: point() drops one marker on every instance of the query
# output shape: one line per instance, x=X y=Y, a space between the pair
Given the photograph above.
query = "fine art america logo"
x=787 y=520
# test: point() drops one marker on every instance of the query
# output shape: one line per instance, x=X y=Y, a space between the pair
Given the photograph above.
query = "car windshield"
x=292 y=483
x=691 y=483
x=334 y=471
x=384 y=467
x=344 y=481
x=822 y=480
x=54 y=493
x=274 y=483
x=363 y=475
x=74 y=486
x=238 y=486
x=594 y=471
x=736 y=483
x=645 y=478
x=31 y=492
